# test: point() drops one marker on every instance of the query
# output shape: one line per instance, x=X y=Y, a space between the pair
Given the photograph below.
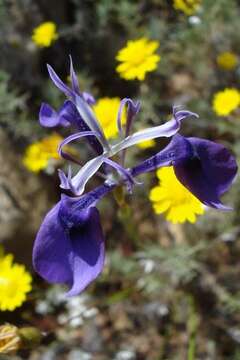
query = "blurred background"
x=170 y=287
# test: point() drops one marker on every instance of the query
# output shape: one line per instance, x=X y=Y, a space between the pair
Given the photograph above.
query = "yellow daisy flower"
x=15 y=283
x=45 y=34
x=173 y=199
x=147 y=144
x=38 y=154
x=189 y=7
x=137 y=58
x=224 y=102
x=227 y=60
x=106 y=110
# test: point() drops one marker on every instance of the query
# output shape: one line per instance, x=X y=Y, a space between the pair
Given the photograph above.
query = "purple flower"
x=205 y=168
x=69 y=247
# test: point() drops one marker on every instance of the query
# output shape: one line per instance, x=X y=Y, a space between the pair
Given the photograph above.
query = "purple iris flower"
x=70 y=247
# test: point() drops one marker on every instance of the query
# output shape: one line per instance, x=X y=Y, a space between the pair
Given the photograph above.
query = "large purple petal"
x=69 y=247
x=209 y=173
x=217 y=162
x=82 y=226
x=51 y=250
x=88 y=252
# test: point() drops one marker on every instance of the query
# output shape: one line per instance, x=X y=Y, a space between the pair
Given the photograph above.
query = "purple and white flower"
x=70 y=246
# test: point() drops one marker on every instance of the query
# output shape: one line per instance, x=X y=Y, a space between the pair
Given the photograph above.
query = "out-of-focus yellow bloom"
x=173 y=199
x=38 y=154
x=9 y=339
x=106 y=110
x=45 y=34
x=189 y=7
x=15 y=283
x=137 y=58
x=227 y=60
x=224 y=102
x=146 y=144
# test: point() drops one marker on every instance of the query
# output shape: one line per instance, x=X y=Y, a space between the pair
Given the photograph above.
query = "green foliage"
x=179 y=262
x=10 y=100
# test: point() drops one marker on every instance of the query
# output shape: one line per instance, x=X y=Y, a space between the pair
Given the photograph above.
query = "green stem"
x=192 y=329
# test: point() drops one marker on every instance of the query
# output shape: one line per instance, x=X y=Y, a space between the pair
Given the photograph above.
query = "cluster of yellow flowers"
x=38 y=154
x=15 y=283
x=179 y=205
x=226 y=101
x=45 y=34
x=189 y=7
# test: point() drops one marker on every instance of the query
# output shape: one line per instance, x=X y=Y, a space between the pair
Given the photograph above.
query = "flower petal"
x=48 y=117
x=168 y=129
x=217 y=162
x=70 y=252
x=69 y=113
x=70 y=139
x=177 y=151
x=51 y=250
x=64 y=180
x=80 y=180
x=74 y=79
x=209 y=174
x=59 y=83
x=88 y=98
x=125 y=174
x=89 y=118
x=88 y=252
x=132 y=110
